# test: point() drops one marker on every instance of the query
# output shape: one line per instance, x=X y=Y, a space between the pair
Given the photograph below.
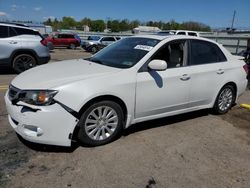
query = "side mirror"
x=158 y=65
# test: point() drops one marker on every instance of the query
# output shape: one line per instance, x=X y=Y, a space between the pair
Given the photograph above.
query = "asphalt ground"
x=196 y=149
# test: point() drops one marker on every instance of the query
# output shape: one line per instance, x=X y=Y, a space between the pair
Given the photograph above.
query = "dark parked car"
x=63 y=40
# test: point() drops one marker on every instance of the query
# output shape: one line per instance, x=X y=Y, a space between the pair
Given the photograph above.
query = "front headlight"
x=89 y=43
x=37 y=97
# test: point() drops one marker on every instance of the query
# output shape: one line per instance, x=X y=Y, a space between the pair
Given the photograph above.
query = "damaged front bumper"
x=51 y=124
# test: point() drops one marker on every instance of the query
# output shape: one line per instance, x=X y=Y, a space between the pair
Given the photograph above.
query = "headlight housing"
x=38 y=97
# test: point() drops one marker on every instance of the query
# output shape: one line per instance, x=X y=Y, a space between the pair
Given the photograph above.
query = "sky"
x=215 y=13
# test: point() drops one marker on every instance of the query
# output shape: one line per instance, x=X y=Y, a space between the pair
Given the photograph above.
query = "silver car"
x=95 y=43
x=21 y=47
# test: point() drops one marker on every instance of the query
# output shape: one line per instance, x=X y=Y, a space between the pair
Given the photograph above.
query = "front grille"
x=13 y=92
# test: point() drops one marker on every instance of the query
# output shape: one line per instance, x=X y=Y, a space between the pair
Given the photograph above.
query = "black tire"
x=94 y=49
x=72 y=46
x=229 y=100
x=50 y=46
x=84 y=136
x=23 y=62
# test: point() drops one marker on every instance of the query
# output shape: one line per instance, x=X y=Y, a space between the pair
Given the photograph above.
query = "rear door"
x=58 y=40
x=71 y=40
x=6 y=45
x=9 y=41
x=208 y=66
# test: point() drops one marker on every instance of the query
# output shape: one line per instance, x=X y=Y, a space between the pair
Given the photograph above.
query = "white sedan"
x=136 y=79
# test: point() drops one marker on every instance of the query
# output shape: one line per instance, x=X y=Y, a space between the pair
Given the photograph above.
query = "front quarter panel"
x=122 y=85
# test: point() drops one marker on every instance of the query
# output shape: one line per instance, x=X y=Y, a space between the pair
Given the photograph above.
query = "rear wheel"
x=50 y=46
x=72 y=46
x=101 y=123
x=225 y=100
x=23 y=62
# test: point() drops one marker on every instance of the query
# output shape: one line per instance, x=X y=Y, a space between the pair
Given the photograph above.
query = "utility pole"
x=232 y=26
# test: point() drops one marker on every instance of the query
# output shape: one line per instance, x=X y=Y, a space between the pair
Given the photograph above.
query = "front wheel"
x=225 y=100
x=101 y=123
x=94 y=49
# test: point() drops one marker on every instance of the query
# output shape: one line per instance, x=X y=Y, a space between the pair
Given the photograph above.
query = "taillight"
x=245 y=67
x=44 y=42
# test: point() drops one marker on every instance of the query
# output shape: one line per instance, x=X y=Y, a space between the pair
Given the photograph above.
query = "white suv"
x=133 y=80
x=21 y=47
x=179 y=32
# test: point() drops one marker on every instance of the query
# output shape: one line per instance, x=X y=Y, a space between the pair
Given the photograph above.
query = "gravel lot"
x=190 y=150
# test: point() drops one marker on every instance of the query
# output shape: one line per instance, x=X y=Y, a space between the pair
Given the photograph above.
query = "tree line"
x=122 y=25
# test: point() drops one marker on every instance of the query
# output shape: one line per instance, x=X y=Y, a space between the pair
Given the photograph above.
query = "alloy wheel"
x=101 y=123
x=225 y=99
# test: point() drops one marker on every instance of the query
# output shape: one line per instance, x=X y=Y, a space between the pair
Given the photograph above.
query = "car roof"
x=66 y=33
x=186 y=31
x=17 y=25
x=173 y=37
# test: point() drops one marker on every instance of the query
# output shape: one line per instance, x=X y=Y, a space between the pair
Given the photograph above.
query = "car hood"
x=56 y=74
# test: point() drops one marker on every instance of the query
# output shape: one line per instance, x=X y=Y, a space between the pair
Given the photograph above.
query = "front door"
x=162 y=92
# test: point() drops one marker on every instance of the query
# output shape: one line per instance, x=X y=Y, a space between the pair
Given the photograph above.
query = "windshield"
x=93 y=38
x=125 y=53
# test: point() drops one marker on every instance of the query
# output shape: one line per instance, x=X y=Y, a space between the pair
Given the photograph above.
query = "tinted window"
x=12 y=32
x=192 y=34
x=22 y=31
x=108 y=39
x=65 y=36
x=60 y=36
x=3 y=31
x=93 y=38
x=203 y=52
x=181 y=33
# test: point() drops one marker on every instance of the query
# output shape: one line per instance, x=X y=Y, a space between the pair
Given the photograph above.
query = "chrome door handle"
x=220 y=71
x=185 y=77
x=13 y=42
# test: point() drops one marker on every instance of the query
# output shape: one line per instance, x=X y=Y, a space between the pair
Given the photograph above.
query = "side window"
x=21 y=31
x=172 y=53
x=12 y=32
x=192 y=34
x=203 y=52
x=3 y=31
x=181 y=33
x=108 y=39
